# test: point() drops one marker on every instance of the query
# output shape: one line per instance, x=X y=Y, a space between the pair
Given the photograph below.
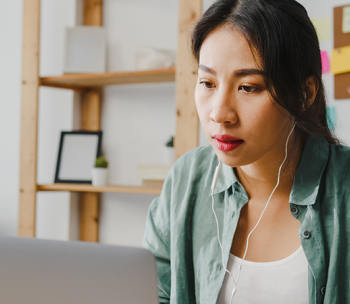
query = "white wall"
x=136 y=119
x=10 y=88
x=56 y=114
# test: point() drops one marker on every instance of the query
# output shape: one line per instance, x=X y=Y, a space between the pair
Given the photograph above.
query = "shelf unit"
x=80 y=82
x=90 y=188
x=89 y=86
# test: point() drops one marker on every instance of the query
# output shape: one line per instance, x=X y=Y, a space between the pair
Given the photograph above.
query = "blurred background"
x=136 y=119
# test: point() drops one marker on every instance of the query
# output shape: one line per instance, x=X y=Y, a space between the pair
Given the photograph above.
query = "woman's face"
x=240 y=119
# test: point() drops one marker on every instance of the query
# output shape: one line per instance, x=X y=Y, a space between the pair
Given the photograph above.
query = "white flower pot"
x=169 y=155
x=99 y=177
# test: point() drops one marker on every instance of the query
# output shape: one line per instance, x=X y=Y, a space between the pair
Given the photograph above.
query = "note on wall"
x=341 y=60
x=346 y=20
x=325 y=62
x=323 y=28
x=331 y=117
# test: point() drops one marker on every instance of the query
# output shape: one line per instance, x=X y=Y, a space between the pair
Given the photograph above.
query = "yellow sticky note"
x=323 y=28
x=341 y=60
x=346 y=19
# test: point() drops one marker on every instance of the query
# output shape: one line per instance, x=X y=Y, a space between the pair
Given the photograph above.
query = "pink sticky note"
x=325 y=62
x=348 y=89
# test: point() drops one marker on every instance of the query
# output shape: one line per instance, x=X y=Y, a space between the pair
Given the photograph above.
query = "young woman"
x=273 y=225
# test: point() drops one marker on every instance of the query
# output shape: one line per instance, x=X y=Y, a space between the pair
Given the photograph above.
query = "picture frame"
x=85 y=50
x=77 y=153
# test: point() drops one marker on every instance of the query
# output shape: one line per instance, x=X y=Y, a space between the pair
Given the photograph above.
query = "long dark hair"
x=281 y=34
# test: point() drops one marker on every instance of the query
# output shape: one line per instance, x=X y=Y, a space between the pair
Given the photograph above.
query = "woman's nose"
x=223 y=110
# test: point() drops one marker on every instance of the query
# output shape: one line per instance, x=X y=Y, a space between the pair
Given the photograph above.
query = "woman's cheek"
x=198 y=100
x=203 y=107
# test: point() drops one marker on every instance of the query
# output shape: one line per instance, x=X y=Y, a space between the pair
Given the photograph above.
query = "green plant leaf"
x=170 y=142
x=101 y=162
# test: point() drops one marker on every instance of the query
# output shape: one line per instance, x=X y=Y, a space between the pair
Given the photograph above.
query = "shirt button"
x=323 y=290
x=306 y=234
x=294 y=210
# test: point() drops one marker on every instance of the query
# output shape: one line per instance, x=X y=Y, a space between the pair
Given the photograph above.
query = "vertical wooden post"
x=90 y=121
x=93 y=12
x=187 y=122
x=29 y=117
x=89 y=216
x=91 y=110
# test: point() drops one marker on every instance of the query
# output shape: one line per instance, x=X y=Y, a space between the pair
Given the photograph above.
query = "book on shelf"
x=153 y=176
x=154 y=184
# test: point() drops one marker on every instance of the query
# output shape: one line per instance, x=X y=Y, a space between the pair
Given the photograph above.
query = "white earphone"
x=213 y=186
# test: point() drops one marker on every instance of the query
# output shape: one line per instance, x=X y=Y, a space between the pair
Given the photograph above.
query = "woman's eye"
x=248 y=89
x=207 y=84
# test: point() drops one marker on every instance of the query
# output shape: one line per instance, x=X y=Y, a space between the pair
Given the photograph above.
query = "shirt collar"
x=226 y=178
x=309 y=173
x=307 y=179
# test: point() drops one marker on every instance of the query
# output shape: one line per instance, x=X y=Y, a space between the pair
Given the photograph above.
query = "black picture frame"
x=59 y=157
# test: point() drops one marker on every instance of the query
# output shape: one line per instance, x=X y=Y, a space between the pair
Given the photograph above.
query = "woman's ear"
x=310 y=89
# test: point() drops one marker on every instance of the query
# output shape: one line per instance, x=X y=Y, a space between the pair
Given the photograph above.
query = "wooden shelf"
x=83 y=81
x=90 y=188
x=91 y=98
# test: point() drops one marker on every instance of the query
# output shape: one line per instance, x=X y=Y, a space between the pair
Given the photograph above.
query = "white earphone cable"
x=268 y=201
x=217 y=222
x=218 y=235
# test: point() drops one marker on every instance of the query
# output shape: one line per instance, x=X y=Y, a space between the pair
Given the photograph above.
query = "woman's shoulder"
x=339 y=158
x=341 y=148
x=198 y=158
x=192 y=166
x=338 y=169
x=183 y=184
x=190 y=174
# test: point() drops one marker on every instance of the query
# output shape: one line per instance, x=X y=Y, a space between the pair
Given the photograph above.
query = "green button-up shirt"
x=181 y=228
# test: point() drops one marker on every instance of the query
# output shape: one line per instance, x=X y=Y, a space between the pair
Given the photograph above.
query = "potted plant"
x=169 y=153
x=99 y=172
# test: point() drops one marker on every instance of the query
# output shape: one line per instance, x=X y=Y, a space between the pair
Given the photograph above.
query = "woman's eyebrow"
x=207 y=69
x=248 y=72
x=238 y=73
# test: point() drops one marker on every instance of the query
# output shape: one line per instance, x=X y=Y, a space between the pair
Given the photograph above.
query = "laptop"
x=34 y=271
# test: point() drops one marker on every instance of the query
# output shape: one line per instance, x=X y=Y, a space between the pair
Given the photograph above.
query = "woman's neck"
x=260 y=178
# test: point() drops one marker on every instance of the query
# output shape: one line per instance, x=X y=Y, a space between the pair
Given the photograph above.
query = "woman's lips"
x=225 y=142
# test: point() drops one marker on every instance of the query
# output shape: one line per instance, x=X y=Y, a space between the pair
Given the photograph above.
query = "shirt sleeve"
x=157 y=240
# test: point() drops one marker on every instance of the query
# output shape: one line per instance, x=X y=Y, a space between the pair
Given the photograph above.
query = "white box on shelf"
x=85 y=50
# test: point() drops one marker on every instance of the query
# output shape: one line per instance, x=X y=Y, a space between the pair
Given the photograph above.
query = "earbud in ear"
x=304 y=101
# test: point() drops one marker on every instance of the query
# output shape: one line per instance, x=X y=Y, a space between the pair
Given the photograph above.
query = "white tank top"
x=284 y=281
